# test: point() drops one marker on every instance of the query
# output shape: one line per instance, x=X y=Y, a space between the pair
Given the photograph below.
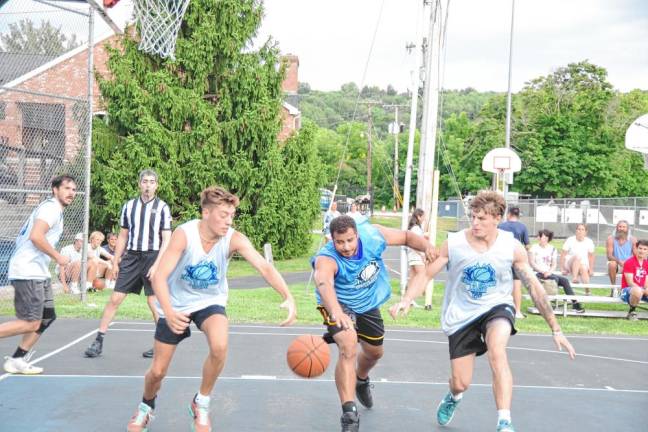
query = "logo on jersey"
x=201 y=275
x=368 y=275
x=478 y=278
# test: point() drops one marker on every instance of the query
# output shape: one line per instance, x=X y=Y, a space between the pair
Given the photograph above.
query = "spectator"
x=619 y=247
x=544 y=259
x=520 y=232
x=70 y=274
x=95 y=254
x=111 y=243
x=633 y=283
x=330 y=214
x=577 y=257
x=415 y=259
x=355 y=214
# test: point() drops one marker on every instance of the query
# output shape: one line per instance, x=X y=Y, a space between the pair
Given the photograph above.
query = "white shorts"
x=569 y=260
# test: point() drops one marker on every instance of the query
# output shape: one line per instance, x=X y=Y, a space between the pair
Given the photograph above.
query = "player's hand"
x=152 y=270
x=561 y=342
x=177 y=321
x=289 y=304
x=342 y=320
x=62 y=260
x=401 y=308
x=431 y=253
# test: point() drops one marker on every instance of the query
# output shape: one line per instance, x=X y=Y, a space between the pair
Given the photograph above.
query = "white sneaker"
x=74 y=288
x=20 y=366
x=519 y=315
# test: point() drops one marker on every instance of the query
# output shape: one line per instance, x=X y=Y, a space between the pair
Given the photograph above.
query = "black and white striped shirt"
x=145 y=223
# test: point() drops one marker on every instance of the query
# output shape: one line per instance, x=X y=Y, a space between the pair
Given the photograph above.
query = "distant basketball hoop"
x=502 y=162
x=636 y=137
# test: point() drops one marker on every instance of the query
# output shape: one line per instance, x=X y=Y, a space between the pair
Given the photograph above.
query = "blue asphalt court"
x=605 y=388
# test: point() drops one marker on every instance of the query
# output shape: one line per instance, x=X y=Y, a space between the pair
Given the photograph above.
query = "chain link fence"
x=44 y=119
x=561 y=216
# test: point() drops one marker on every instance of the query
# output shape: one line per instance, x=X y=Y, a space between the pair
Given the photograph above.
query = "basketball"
x=308 y=356
x=98 y=284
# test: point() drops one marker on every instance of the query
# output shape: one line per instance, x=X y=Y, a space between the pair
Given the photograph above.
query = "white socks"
x=202 y=400
x=457 y=397
x=503 y=415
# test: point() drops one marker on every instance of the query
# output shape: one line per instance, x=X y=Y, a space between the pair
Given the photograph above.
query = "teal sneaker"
x=446 y=409
x=140 y=421
x=505 y=426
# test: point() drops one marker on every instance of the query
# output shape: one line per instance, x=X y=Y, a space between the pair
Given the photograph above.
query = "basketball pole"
x=508 y=96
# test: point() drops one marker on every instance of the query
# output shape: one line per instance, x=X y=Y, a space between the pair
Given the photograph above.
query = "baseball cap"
x=79 y=236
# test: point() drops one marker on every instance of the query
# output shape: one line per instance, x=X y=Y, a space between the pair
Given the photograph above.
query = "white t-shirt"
x=97 y=252
x=415 y=257
x=27 y=261
x=70 y=252
x=580 y=249
x=543 y=257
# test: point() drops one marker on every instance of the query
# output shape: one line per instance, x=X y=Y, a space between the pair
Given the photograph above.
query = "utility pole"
x=395 y=129
x=508 y=97
x=370 y=104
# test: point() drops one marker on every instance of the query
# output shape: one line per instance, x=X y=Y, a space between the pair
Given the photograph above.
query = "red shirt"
x=639 y=271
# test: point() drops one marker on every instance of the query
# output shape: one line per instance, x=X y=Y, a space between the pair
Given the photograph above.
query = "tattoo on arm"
x=528 y=278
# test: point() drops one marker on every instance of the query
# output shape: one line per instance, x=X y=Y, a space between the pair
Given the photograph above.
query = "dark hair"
x=110 y=235
x=547 y=233
x=59 y=180
x=490 y=202
x=341 y=224
x=642 y=243
x=414 y=219
x=514 y=211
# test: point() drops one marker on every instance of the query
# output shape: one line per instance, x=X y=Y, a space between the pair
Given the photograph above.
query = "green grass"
x=262 y=306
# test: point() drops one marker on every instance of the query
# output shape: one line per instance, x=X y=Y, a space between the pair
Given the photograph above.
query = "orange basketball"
x=98 y=284
x=308 y=356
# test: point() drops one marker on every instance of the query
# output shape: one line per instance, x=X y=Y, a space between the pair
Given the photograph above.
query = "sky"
x=333 y=38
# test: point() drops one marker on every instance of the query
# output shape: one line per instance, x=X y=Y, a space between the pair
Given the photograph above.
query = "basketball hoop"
x=159 y=25
x=636 y=137
x=502 y=162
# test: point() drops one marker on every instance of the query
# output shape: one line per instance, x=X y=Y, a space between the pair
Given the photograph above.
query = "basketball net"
x=160 y=22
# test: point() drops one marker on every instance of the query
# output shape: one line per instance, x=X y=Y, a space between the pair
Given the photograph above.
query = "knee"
x=116 y=300
x=460 y=383
x=497 y=358
x=348 y=348
x=218 y=351
x=375 y=353
x=33 y=326
x=156 y=373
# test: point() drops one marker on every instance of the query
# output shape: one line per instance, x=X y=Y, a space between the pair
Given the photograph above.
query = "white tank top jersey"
x=477 y=281
x=199 y=279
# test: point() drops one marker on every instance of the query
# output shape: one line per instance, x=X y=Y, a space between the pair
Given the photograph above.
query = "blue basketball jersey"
x=361 y=282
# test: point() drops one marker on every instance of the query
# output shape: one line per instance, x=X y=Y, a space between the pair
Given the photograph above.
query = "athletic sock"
x=202 y=400
x=149 y=402
x=503 y=415
x=456 y=397
x=100 y=336
x=20 y=353
x=632 y=308
x=349 y=407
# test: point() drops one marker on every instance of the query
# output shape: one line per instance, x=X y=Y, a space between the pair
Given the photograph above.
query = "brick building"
x=290 y=114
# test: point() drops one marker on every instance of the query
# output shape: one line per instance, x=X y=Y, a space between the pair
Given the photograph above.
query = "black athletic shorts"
x=368 y=325
x=132 y=272
x=164 y=334
x=471 y=339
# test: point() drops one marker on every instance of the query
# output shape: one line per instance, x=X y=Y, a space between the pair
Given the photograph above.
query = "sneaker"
x=446 y=409
x=74 y=288
x=200 y=414
x=632 y=316
x=363 y=392
x=20 y=365
x=148 y=354
x=428 y=307
x=505 y=426
x=140 y=421
x=578 y=310
x=519 y=315
x=94 y=350
x=350 y=422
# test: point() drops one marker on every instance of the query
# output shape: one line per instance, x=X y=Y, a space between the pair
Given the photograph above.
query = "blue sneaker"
x=505 y=426
x=446 y=409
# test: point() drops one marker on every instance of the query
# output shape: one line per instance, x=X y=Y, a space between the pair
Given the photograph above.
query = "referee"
x=145 y=233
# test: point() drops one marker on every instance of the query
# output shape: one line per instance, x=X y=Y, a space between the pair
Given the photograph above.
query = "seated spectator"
x=543 y=258
x=619 y=247
x=577 y=257
x=95 y=255
x=111 y=243
x=634 y=286
x=70 y=274
x=355 y=214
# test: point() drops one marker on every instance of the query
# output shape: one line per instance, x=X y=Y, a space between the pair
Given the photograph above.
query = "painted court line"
x=548 y=351
x=326 y=380
x=399 y=330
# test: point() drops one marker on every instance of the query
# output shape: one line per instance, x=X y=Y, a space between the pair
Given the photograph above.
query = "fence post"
x=267 y=253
